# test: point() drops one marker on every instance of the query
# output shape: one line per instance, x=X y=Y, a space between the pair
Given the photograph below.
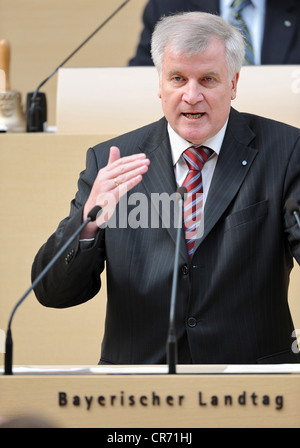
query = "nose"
x=192 y=93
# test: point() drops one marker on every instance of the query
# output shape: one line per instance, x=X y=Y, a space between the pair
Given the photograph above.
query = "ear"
x=234 y=83
x=159 y=90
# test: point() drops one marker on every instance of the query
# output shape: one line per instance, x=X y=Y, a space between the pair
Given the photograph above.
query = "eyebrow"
x=203 y=75
x=174 y=72
x=215 y=74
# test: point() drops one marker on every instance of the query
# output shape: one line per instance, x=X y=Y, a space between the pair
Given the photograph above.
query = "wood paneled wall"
x=42 y=33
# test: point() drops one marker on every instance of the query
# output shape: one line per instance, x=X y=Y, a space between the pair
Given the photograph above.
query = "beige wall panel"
x=42 y=33
x=38 y=179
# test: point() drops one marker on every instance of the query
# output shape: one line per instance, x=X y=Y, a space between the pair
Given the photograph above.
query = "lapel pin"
x=287 y=23
x=244 y=162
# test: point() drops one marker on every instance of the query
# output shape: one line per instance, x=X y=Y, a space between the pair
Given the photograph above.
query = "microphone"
x=36 y=103
x=92 y=216
x=171 y=341
x=293 y=208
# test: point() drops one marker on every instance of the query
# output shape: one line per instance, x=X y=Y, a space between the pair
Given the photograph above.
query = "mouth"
x=193 y=116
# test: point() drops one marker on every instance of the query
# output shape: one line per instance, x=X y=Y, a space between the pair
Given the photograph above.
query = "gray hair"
x=190 y=33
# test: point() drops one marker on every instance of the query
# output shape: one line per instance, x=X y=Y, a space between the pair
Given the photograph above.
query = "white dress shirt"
x=254 y=17
x=179 y=145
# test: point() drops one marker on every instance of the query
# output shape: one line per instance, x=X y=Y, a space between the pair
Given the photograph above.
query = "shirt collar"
x=258 y=3
x=179 y=144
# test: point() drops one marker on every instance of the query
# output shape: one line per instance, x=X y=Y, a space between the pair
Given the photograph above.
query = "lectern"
x=147 y=397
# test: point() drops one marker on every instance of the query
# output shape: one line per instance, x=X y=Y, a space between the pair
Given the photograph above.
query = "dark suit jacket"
x=281 y=43
x=232 y=297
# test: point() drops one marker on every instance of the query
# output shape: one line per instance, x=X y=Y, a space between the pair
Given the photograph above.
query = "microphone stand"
x=171 y=341
x=8 y=363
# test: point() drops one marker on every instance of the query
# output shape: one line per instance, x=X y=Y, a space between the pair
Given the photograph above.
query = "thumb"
x=113 y=155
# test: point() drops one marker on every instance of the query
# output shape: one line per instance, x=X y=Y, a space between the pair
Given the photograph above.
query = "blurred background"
x=42 y=33
x=39 y=172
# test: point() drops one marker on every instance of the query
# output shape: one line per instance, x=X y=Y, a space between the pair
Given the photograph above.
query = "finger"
x=127 y=186
x=121 y=172
x=108 y=200
x=133 y=179
x=121 y=162
x=135 y=170
x=114 y=155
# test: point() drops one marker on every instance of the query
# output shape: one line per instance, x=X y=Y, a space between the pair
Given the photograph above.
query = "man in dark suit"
x=232 y=303
x=279 y=36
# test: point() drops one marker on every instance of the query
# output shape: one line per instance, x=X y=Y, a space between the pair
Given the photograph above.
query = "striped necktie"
x=192 y=209
x=237 y=20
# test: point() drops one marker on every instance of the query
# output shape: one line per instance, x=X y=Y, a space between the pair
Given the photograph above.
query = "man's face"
x=196 y=92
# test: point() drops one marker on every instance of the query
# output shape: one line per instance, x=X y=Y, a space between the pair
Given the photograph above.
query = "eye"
x=209 y=81
x=177 y=78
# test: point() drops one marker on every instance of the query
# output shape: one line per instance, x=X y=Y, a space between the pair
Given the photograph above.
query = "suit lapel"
x=280 y=27
x=161 y=176
x=160 y=179
x=234 y=162
x=211 y=6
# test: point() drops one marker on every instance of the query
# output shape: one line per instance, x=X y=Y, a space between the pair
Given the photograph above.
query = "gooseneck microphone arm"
x=294 y=209
x=172 y=341
x=92 y=216
x=79 y=48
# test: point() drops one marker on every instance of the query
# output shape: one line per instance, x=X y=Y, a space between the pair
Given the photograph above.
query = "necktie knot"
x=239 y=5
x=197 y=157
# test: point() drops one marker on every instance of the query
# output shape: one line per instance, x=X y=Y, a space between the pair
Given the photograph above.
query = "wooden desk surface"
x=156 y=401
